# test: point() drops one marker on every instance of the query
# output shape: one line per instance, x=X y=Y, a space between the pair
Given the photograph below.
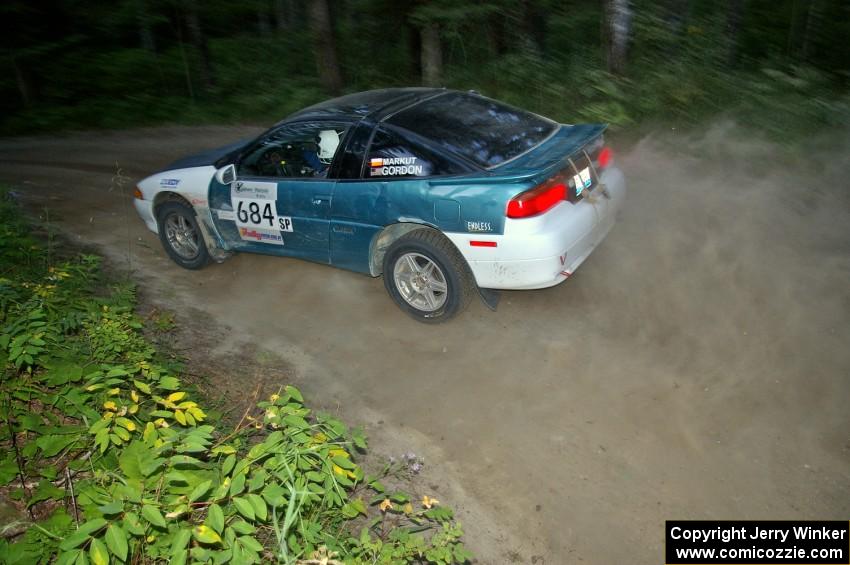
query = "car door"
x=280 y=202
x=383 y=179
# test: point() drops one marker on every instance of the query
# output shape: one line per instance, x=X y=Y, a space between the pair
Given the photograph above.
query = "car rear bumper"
x=532 y=274
x=545 y=250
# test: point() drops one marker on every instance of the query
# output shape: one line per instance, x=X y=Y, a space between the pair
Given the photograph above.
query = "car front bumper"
x=145 y=210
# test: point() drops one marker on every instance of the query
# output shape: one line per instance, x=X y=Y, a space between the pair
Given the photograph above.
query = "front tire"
x=181 y=235
x=427 y=277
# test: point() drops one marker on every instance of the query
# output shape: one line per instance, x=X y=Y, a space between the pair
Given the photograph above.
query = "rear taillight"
x=538 y=199
x=605 y=157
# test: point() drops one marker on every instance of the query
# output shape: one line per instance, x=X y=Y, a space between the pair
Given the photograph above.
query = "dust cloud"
x=731 y=269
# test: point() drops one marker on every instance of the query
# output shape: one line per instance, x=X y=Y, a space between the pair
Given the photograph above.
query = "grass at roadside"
x=111 y=458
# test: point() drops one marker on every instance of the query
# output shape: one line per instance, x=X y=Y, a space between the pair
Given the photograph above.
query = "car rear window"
x=484 y=131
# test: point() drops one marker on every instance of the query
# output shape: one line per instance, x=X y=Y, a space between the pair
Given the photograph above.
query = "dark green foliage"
x=117 y=463
x=783 y=66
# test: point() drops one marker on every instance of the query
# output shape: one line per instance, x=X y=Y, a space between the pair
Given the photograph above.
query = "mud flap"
x=213 y=243
x=490 y=297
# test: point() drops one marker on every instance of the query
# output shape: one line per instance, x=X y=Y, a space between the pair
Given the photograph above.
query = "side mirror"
x=226 y=175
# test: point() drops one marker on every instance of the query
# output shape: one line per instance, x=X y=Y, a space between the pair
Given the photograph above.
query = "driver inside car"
x=320 y=160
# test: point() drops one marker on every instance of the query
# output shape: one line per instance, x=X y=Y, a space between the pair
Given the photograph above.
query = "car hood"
x=208 y=157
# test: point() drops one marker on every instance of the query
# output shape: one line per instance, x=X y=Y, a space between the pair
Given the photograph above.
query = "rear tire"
x=427 y=277
x=181 y=235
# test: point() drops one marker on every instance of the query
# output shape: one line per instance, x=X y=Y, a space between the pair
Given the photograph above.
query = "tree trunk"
x=812 y=29
x=264 y=22
x=733 y=23
x=187 y=71
x=21 y=82
x=282 y=13
x=676 y=15
x=323 y=38
x=199 y=42
x=618 y=14
x=432 y=54
x=414 y=46
x=413 y=37
x=144 y=22
x=497 y=34
x=533 y=24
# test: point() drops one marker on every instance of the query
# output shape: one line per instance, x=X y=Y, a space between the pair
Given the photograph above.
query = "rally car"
x=444 y=193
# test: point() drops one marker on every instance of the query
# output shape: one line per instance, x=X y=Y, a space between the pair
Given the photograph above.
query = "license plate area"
x=581 y=177
x=582 y=181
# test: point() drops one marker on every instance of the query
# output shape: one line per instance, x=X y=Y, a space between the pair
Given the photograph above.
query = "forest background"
x=782 y=66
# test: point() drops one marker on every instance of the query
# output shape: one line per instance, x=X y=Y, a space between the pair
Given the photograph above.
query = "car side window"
x=351 y=160
x=391 y=156
x=295 y=151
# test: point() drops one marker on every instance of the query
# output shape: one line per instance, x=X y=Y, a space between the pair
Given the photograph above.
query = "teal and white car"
x=444 y=193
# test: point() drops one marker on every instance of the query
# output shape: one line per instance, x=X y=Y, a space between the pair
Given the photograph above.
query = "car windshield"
x=484 y=131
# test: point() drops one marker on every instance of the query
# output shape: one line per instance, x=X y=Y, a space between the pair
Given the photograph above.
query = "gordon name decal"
x=394 y=166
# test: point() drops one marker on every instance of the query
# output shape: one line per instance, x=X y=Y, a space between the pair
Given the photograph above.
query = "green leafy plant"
x=103 y=441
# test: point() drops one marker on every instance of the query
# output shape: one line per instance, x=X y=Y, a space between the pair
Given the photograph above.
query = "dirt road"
x=696 y=366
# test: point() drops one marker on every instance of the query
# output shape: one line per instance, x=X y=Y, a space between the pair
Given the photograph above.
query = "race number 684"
x=260 y=215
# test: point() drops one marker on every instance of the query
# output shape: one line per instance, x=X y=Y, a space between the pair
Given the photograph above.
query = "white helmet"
x=328 y=142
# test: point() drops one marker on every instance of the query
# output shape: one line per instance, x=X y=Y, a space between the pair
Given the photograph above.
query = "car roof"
x=376 y=104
